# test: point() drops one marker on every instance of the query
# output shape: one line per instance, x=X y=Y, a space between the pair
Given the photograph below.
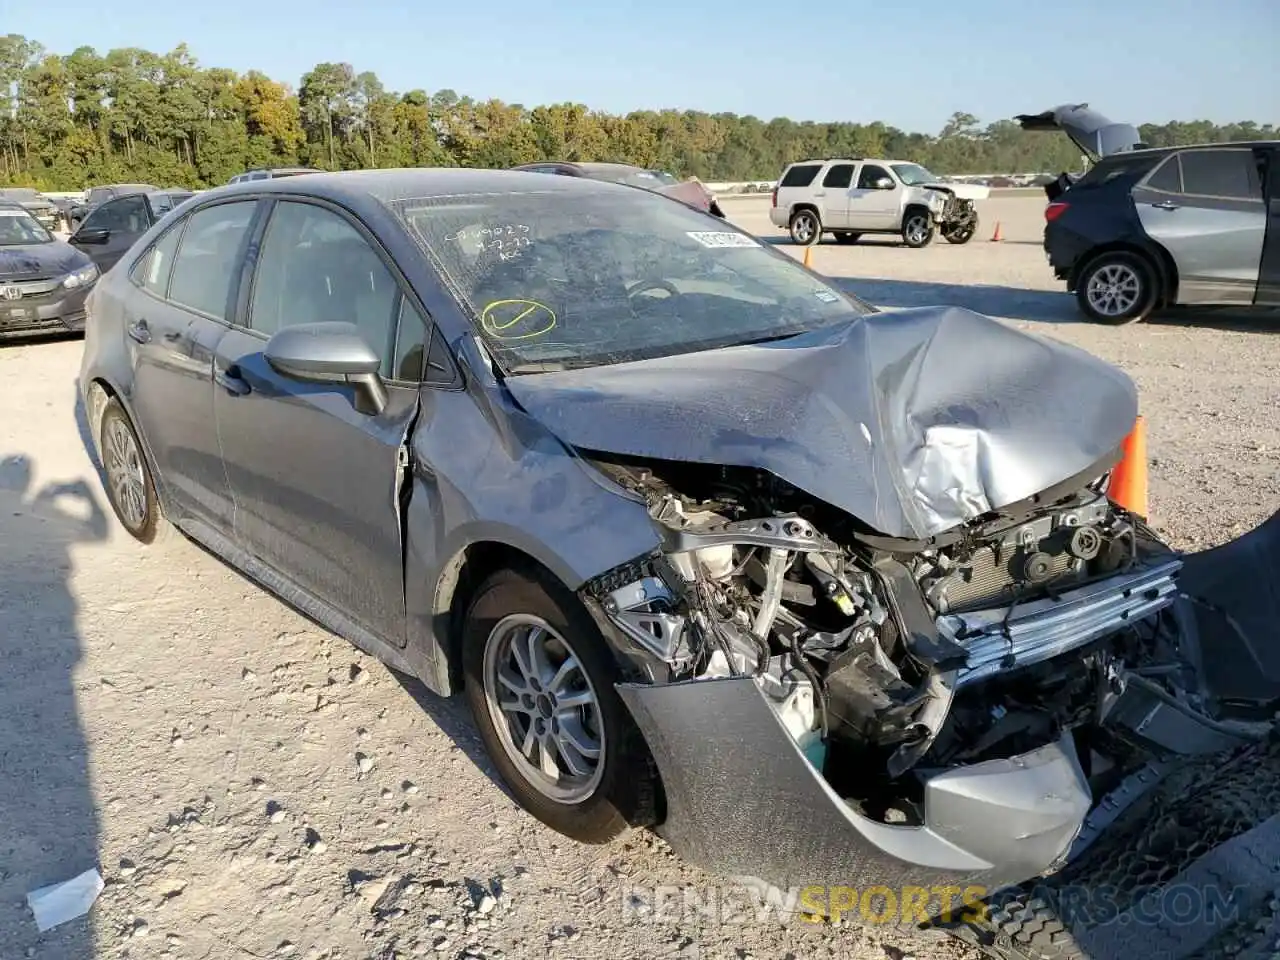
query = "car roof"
x=797 y=163
x=1236 y=144
x=11 y=205
x=415 y=183
x=610 y=168
x=22 y=191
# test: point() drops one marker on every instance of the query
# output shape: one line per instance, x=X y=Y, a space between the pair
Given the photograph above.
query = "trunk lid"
x=1089 y=130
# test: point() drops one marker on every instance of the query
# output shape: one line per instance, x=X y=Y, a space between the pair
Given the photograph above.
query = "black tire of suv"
x=1142 y=269
x=844 y=236
x=628 y=791
x=800 y=217
x=927 y=237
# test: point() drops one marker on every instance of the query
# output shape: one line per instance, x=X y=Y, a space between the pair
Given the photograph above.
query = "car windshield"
x=613 y=276
x=18 y=228
x=912 y=174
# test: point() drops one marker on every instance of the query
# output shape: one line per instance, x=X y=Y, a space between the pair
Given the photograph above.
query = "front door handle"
x=139 y=331
x=1165 y=205
x=820 y=193
x=231 y=381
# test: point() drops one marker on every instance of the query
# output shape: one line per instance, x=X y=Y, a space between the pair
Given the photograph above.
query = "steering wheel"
x=641 y=286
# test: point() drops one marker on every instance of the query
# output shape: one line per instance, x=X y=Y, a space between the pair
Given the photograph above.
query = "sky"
x=911 y=63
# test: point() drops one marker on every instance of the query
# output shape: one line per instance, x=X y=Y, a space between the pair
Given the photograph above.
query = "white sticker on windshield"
x=714 y=238
x=826 y=296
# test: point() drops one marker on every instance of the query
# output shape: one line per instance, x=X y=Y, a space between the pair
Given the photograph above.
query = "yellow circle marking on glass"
x=528 y=313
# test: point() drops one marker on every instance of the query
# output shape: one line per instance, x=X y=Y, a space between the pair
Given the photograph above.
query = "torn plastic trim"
x=750 y=803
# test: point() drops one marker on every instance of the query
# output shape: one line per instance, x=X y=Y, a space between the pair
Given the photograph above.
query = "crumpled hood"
x=40 y=260
x=913 y=421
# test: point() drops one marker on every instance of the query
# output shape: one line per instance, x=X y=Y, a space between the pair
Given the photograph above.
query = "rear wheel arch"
x=1156 y=257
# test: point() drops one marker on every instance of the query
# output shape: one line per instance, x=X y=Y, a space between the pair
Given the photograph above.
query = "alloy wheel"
x=123 y=464
x=544 y=708
x=1114 y=289
x=917 y=229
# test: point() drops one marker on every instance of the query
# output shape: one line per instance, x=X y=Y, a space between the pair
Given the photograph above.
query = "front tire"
x=806 y=228
x=539 y=680
x=1116 y=288
x=917 y=229
x=131 y=489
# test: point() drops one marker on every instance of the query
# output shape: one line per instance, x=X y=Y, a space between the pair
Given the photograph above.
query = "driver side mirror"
x=882 y=183
x=93 y=237
x=330 y=353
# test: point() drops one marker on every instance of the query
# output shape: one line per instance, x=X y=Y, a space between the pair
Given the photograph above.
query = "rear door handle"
x=1165 y=205
x=821 y=193
x=231 y=381
x=139 y=331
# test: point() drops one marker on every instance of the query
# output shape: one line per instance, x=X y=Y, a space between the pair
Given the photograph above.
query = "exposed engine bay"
x=888 y=661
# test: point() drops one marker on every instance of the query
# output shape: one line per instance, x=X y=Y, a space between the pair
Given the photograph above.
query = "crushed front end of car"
x=896 y=633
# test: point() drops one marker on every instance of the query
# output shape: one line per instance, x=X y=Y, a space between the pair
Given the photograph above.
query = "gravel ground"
x=251 y=786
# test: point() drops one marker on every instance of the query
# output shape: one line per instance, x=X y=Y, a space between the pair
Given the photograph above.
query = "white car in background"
x=851 y=197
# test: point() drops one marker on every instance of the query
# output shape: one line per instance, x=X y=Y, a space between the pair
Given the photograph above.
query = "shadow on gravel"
x=453 y=717
x=48 y=818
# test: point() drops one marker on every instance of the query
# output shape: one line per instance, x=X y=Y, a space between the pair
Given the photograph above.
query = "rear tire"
x=844 y=236
x=1117 y=288
x=522 y=631
x=128 y=481
x=917 y=228
x=806 y=228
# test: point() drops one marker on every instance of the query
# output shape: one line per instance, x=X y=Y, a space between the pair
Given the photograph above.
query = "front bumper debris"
x=749 y=804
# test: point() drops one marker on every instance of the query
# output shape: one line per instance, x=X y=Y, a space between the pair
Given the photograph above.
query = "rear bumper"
x=57 y=312
x=778 y=216
x=743 y=800
x=1066 y=250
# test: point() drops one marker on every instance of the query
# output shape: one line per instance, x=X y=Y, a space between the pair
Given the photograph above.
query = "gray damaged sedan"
x=826 y=594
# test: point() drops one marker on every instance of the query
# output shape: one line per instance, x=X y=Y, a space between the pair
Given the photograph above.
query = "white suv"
x=851 y=197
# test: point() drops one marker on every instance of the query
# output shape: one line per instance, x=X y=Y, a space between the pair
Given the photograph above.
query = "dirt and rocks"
x=251 y=786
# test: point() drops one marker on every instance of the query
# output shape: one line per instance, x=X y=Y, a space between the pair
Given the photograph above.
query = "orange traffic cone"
x=995 y=237
x=1127 y=486
x=808 y=255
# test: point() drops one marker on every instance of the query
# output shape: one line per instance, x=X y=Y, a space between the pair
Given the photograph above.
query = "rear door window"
x=839 y=176
x=1168 y=178
x=152 y=271
x=801 y=175
x=1220 y=173
x=208 y=259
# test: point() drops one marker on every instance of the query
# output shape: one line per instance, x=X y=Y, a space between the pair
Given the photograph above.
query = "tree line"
x=130 y=115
